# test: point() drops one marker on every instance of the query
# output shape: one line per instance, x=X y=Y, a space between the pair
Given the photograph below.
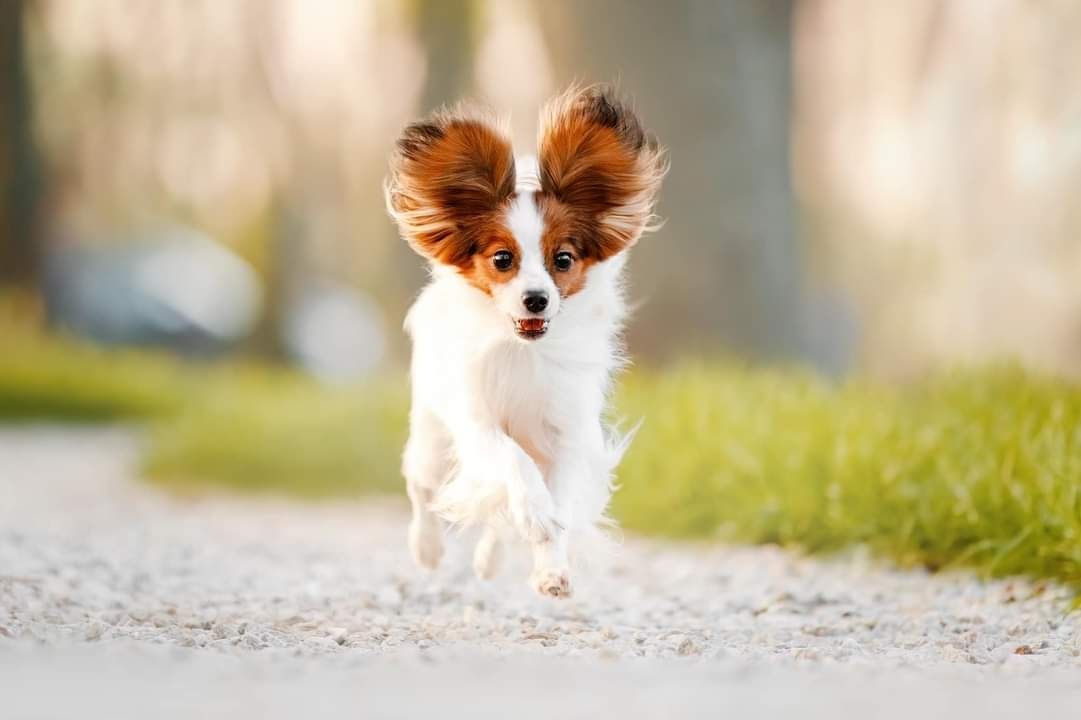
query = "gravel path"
x=321 y=604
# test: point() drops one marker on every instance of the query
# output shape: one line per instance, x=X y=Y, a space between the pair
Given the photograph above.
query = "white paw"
x=551 y=582
x=487 y=557
x=426 y=544
x=533 y=515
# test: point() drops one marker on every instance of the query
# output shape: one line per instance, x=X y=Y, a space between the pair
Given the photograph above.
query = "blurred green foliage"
x=971 y=468
x=976 y=468
x=265 y=430
x=238 y=425
x=56 y=377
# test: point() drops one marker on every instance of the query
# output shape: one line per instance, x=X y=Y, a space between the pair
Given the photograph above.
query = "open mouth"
x=531 y=328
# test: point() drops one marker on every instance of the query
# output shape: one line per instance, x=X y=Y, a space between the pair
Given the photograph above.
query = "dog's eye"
x=564 y=261
x=503 y=260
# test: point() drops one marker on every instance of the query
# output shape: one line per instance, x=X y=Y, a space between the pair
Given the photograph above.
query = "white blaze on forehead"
x=526 y=224
x=527 y=175
x=523 y=216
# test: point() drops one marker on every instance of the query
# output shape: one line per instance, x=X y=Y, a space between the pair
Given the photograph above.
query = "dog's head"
x=528 y=236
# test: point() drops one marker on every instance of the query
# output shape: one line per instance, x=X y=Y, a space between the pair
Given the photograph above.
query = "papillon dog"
x=518 y=333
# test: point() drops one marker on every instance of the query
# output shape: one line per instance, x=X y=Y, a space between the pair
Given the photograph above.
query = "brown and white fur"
x=517 y=336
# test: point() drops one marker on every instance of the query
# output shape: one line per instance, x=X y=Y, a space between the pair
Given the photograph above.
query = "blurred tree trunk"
x=713 y=79
x=19 y=171
x=447 y=29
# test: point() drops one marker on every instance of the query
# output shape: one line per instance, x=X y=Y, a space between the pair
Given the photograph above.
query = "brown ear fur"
x=449 y=176
x=598 y=163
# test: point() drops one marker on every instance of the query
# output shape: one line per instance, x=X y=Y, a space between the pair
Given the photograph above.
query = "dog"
x=517 y=336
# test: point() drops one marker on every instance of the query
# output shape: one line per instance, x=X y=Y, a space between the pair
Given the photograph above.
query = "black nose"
x=535 y=300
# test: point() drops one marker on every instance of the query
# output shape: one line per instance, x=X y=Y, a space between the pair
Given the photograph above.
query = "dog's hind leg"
x=488 y=555
x=424 y=464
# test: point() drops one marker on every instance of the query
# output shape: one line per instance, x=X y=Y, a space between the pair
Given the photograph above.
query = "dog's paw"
x=551 y=582
x=426 y=544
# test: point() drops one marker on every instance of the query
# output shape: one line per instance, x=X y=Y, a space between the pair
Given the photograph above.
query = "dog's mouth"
x=530 y=328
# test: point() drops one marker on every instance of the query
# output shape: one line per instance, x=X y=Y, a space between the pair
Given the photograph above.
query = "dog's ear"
x=596 y=159
x=448 y=176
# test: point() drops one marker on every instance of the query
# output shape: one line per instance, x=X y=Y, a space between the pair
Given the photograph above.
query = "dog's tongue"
x=531 y=325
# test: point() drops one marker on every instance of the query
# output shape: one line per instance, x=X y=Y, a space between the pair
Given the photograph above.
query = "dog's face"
x=527 y=242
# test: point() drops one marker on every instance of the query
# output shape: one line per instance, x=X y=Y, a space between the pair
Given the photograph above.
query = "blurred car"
x=175 y=288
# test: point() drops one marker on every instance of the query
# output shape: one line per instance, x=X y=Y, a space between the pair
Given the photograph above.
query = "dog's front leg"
x=492 y=464
x=551 y=572
x=551 y=564
x=579 y=480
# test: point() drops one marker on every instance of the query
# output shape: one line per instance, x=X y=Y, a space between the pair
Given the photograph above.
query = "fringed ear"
x=596 y=159
x=448 y=176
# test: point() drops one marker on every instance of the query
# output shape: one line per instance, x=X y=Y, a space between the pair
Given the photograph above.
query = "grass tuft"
x=976 y=468
x=240 y=426
x=48 y=378
x=272 y=431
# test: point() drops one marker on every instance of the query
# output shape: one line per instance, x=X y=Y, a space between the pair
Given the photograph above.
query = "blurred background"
x=880 y=188
x=861 y=323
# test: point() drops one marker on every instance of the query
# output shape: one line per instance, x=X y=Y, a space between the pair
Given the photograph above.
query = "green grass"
x=49 y=378
x=272 y=431
x=977 y=469
x=240 y=425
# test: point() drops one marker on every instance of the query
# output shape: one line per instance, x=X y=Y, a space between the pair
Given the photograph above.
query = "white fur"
x=487 y=403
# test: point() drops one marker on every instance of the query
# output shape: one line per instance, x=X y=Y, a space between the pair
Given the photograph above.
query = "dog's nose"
x=535 y=300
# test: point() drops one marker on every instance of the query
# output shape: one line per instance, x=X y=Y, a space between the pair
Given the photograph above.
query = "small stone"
x=687 y=647
x=253 y=642
x=591 y=638
x=819 y=631
x=320 y=644
x=94 y=631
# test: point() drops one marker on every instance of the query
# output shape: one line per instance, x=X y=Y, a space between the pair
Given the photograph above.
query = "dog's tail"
x=617 y=444
x=599 y=541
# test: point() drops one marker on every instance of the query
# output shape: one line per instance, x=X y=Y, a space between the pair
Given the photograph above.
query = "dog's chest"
x=524 y=394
